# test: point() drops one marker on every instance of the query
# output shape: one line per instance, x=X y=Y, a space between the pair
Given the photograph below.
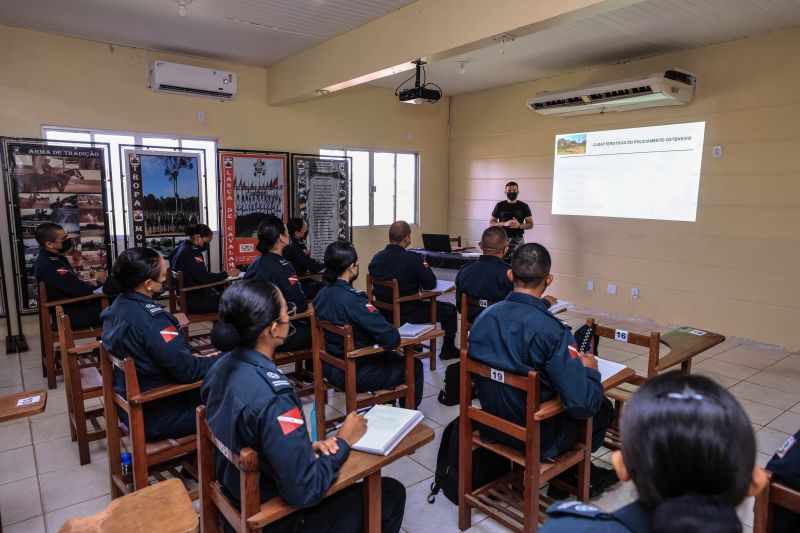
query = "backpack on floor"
x=450 y=389
x=486 y=465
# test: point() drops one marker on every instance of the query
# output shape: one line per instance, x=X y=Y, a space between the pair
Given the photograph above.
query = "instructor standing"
x=513 y=216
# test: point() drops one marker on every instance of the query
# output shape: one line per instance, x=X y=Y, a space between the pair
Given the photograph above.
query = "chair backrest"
x=175 y=286
x=774 y=494
x=69 y=365
x=394 y=305
x=652 y=342
x=456 y=240
x=466 y=301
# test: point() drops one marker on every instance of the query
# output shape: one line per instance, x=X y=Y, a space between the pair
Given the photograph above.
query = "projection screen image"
x=649 y=173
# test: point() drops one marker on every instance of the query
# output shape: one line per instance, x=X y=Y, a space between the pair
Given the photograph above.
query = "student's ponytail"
x=339 y=256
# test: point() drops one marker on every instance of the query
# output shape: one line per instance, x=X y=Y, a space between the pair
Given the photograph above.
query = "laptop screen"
x=436 y=242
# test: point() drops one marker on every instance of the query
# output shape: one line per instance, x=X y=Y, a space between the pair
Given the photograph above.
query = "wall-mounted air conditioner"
x=196 y=81
x=673 y=87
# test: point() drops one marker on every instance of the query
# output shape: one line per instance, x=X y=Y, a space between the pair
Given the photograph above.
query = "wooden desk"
x=685 y=343
x=552 y=407
x=358 y=466
x=10 y=411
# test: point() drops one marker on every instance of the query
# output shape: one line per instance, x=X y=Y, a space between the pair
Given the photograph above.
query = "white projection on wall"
x=651 y=172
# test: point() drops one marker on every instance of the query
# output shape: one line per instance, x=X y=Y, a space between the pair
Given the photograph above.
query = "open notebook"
x=386 y=427
x=444 y=286
x=410 y=331
x=559 y=306
x=608 y=368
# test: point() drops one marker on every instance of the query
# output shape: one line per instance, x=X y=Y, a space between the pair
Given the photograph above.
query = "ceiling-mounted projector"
x=420 y=92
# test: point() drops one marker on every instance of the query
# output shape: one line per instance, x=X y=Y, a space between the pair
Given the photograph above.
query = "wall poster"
x=163 y=197
x=64 y=185
x=253 y=186
x=322 y=197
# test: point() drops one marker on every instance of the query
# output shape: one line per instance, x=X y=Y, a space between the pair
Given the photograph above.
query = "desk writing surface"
x=444 y=260
x=10 y=411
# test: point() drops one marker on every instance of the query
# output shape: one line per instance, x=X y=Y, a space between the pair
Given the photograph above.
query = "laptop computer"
x=436 y=242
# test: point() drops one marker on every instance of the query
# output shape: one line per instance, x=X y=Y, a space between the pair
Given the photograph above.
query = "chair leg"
x=433 y=354
x=50 y=364
x=79 y=427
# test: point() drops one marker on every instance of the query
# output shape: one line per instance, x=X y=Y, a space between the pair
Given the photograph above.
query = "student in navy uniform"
x=188 y=258
x=298 y=256
x=271 y=266
x=413 y=275
x=785 y=468
x=338 y=302
x=137 y=326
x=519 y=334
x=514 y=216
x=61 y=280
x=249 y=403
x=689 y=449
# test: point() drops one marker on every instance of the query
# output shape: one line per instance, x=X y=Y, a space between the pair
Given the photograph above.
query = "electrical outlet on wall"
x=634 y=293
x=590 y=285
x=611 y=289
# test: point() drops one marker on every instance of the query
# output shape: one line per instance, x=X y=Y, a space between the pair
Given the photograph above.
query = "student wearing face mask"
x=188 y=258
x=513 y=216
x=137 y=326
x=61 y=280
x=298 y=256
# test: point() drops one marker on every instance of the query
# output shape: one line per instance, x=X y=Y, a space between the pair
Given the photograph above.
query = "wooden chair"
x=347 y=364
x=47 y=328
x=300 y=377
x=514 y=500
x=456 y=241
x=394 y=308
x=775 y=494
x=149 y=457
x=81 y=384
x=164 y=507
x=466 y=325
x=251 y=515
x=177 y=297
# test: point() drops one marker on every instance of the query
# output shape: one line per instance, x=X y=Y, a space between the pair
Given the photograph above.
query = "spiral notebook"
x=386 y=427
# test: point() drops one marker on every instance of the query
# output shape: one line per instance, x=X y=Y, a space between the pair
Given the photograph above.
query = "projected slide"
x=651 y=172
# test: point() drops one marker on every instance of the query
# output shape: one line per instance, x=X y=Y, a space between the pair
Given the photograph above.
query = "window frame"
x=371 y=184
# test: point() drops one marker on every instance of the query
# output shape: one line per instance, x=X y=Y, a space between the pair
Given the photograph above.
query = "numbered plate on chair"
x=621 y=335
x=497 y=375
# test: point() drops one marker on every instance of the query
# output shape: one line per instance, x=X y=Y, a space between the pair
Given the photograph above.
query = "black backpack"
x=450 y=389
x=486 y=465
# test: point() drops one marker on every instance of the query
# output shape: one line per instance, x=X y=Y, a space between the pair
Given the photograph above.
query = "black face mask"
x=66 y=245
x=203 y=247
x=512 y=195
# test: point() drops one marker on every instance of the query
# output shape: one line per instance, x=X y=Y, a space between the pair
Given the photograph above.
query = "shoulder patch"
x=573 y=351
x=276 y=380
x=576 y=508
x=62 y=271
x=169 y=333
x=786 y=446
x=292 y=279
x=371 y=308
x=425 y=264
x=198 y=259
x=154 y=308
x=283 y=262
x=291 y=420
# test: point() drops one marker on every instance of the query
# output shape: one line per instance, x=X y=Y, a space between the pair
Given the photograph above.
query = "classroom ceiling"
x=643 y=29
x=255 y=32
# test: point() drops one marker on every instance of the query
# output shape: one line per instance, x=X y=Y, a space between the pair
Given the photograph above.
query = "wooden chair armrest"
x=271 y=510
x=86 y=298
x=205 y=286
x=81 y=348
x=367 y=350
x=305 y=314
x=163 y=392
x=316 y=276
x=674 y=358
x=549 y=409
x=422 y=295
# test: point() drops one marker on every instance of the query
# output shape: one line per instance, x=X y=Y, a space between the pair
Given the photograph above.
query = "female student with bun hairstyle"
x=301 y=260
x=188 y=258
x=689 y=449
x=249 y=403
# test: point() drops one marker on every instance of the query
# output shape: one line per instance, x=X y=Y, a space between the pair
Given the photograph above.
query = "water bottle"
x=127 y=463
x=313 y=421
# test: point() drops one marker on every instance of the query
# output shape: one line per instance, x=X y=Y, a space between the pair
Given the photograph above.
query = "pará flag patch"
x=62 y=270
x=292 y=280
x=290 y=420
x=573 y=351
x=169 y=333
x=425 y=264
x=784 y=449
x=198 y=259
x=370 y=308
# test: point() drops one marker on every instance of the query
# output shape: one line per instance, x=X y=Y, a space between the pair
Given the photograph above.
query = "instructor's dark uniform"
x=303 y=264
x=139 y=327
x=485 y=279
x=188 y=258
x=275 y=269
x=339 y=303
x=412 y=274
x=579 y=517
x=517 y=335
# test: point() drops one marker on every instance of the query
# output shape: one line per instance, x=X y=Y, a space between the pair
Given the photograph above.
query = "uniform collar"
x=344 y=284
x=491 y=259
x=392 y=246
x=51 y=254
x=249 y=355
x=139 y=297
x=527 y=299
x=634 y=516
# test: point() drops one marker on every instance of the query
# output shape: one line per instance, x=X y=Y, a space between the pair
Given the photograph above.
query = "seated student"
x=413 y=275
x=298 y=256
x=137 y=326
x=187 y=257
x=519 y=334
x=271 y=266
x=338 y=302
x=250 y=404
x=785 y=468
x=61 y=280
x=689 y=449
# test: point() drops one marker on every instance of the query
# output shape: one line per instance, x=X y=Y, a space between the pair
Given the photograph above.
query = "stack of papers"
x=471 y=254
x=410 y=331
x=386 y=427
x=444 y=286
x=559 y=306
x=608 y=368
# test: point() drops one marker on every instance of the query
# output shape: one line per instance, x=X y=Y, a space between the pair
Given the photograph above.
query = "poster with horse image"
x=253 y=186
x=164 y=194
x=65 y=185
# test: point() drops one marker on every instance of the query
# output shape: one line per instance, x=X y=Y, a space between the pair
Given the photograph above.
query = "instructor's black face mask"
x=66 y=245
x=512 y=195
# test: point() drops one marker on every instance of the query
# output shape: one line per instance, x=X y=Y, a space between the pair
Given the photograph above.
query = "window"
x=115 y=139
x=383 y=186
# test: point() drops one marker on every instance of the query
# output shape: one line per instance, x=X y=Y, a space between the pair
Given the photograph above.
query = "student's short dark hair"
x=268 y=232
x=294 y=225
x=198 y=229
x=339 y=255
x=512 y=184
x=530 y=264
x=136 y=265
x=690 y=450
x=47 y=232
x=399 y=230
x=493 y=240
x=245 y=310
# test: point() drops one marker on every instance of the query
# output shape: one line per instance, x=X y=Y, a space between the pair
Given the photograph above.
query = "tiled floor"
x=42 y=484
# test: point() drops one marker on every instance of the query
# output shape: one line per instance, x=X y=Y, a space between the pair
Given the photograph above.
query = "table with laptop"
x=444 y=260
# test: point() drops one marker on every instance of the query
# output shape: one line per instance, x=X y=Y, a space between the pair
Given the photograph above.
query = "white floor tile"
x=17 y=464
x=20 y=500
x=56 y=518
x=58 y=486
x=32 y=525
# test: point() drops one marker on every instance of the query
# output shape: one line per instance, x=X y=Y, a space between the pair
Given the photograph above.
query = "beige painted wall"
x=54 y=80
x=736 y=269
